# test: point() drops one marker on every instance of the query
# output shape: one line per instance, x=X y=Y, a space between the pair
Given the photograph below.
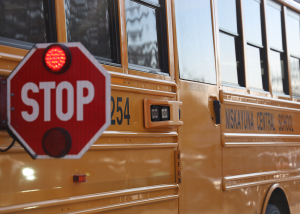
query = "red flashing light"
x=79 y=178
x=57 y=58
x=56 y=142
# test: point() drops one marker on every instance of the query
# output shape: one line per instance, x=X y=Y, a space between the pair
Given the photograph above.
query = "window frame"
x=213 y=48
x=298 y=58
x=283 y=55
x=51 y=30
x=288 y=54
x=239 y=49
x=162 y=40
x=262 y=50
x=113 y=14
x=115 y=36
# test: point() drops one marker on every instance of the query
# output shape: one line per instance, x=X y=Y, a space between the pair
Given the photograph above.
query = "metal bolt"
x=3 y=121
x=12 y=94
x=3 y=82
x=13 y=108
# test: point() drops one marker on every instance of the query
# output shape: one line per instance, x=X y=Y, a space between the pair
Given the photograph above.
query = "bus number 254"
x=121 y=111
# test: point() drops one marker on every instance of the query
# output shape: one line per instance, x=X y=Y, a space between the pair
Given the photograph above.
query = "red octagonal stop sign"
x=58 y=101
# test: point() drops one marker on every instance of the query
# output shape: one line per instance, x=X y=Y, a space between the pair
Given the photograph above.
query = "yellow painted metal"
x=9 y=58
x=61 y=27
x=178 y=166
x=243 y=31
x=174 y=114
x=256 y=179
x=169 y=25
x=255 y=140
x=129 y=169
x=129 y=198
x=123 y=36
x=265 y=29
x=225 y=168
x=201 y=152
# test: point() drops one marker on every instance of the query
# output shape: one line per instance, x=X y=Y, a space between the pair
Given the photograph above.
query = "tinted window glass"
x=195 y=40
x=274 y=27
x=276 y=66
x=293 y=29
x=87 y=22
x=23 y=20
x=227 y=15
x=254 y=67
x=142 y=35
x=295 y=76
x=228 y=59
x=253 y=21
x=154 y=1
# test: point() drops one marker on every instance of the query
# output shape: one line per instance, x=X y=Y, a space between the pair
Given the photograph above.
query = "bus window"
x=230 y=43
x=146 y=36
x=255 y=50
x=25 y=22
x=94 y=24
x=276 y=56
x=293 y=32
x=195 y=40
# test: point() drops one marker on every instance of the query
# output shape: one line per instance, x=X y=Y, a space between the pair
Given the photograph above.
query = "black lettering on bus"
x=120 y=109
x=285 y=123
x=239 y=119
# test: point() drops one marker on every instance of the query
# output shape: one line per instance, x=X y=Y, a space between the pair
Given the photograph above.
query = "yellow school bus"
x=204 y=107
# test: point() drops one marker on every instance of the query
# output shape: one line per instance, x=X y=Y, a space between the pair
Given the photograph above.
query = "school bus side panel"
x=260 y=139
x=199 y=143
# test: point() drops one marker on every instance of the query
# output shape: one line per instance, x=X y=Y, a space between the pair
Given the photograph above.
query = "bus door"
x=131 y=167
x=199 y=138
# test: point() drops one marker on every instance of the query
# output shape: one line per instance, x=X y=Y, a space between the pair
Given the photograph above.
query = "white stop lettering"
x=47 y=87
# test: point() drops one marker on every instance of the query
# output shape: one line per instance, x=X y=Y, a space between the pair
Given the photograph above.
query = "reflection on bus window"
x=293 y=31
x=295 y=76
x=147 y=36
x=155 y=1
x=195 y=40
x=254 y=67
x=276 y=55
x=277 y=69
x=274 y=25
x=142 y=36
x=228 y=60
x=227 y=15
x=23 y=20
x=253 y=22
x=255 y=49
x=230 y=43
x=88 y=22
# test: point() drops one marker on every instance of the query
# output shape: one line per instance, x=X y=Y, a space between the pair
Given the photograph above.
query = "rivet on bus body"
x=12 y=108
x=12 y=94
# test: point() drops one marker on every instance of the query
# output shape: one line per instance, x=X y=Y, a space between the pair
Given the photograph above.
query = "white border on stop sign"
x=108 y=97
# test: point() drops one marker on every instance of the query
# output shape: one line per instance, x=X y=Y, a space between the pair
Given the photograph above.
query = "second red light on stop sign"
x=55 y=58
